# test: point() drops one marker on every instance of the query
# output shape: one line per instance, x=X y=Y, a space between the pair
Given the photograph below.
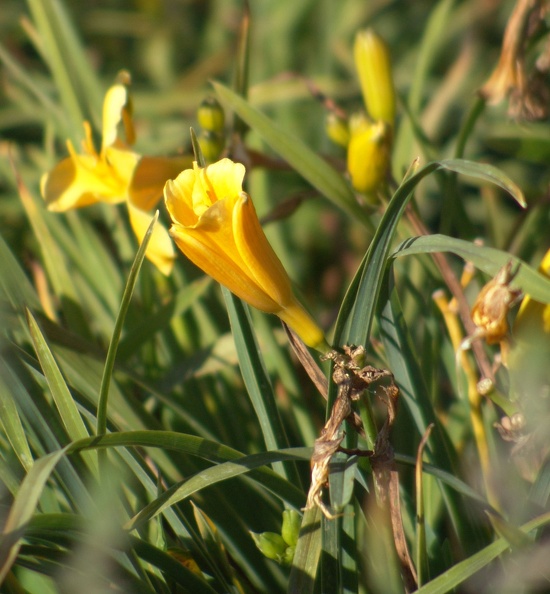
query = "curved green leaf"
x=467 y=568
x=487 y=259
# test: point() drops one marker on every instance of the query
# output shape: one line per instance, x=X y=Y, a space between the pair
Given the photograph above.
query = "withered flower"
x=490 y=310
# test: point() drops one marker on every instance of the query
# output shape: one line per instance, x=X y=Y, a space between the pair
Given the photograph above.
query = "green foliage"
x=155 y=433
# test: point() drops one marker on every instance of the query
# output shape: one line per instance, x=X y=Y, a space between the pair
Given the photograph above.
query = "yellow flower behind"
x=116 y=174
x=216 y=226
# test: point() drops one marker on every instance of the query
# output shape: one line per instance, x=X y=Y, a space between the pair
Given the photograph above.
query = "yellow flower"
x=215 y=225
x=115 y=174
x=368 y=154
x=372 y=61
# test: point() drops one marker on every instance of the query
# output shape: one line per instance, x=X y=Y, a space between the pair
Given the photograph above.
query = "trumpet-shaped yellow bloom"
x=216 y=226
x=115 y=174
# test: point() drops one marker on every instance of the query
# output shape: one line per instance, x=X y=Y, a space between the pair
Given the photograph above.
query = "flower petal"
x=219 y=181
x=116 y=108
x=160 y=250
x=178 y=198
x=254 y=249
x=216 y=254
x=78 y=181
x=150 y=175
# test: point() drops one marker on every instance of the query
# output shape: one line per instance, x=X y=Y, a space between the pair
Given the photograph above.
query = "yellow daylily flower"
x=216 y=226
x=116 y=174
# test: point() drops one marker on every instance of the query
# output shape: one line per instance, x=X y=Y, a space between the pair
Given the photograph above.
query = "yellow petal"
x=225 y=176
x=217 y=255
x=78 y=181
x=150 y=175
x=219 y=181
x=115 y=102
x=178 y=198
x=160 y=250
x=254 y=249
x=305 y=327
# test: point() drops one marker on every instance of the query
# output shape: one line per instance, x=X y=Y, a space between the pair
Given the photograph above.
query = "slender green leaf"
x=14 y=284
x=469 y=567
x=23 y=508
x=307 y=555
x=487 y=259
x=113 y=345
x=68 y=411
x=13 y=427
x=75 y=78
x=257 y=381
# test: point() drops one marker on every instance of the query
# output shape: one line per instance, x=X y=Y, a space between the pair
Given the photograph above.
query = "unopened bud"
x=368 y=154
x=210 y=115
x=271 y=545
x=211 y=145
x=337 y=129
x=290 y=530
x=372 y=61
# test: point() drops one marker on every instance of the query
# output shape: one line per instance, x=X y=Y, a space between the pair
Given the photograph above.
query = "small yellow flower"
x=115 y=174
x=368 y=154
x=372 y=61
x=216 y=226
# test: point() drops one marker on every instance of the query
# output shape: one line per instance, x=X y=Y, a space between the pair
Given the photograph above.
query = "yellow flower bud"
x=372 y=60
x=368 y=154
x=210 y=115
x=337 y=129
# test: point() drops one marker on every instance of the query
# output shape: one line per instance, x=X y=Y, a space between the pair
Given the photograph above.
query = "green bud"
x=292 y=521
x=210 y=115
x=288 y=557
x=211 y=145
x=271 y=545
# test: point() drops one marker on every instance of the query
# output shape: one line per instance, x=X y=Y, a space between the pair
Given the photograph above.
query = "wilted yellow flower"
x=115 y=174
x=215 y=225
x=491 y=308
x=372 y=61
x=368 y=154
x=526 y=87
